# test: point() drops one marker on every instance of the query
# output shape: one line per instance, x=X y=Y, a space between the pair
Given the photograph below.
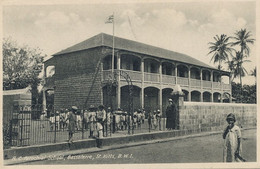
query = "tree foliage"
x=221 y=49
x=21 y=65
x=248 y=93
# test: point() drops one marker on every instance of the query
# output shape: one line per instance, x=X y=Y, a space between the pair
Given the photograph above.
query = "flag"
x=110 y=19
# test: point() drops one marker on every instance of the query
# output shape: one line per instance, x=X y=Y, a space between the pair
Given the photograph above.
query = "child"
x=232 y=137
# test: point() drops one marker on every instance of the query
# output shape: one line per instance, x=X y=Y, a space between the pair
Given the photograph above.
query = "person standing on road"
x=72 y=123
x=170 y=115
x=232 y=140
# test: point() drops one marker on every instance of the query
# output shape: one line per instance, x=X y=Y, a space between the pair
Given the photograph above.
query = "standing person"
x=57 y=120
x=170 y=113
x=143 y=115
x=52 y=121
x=117 y=118
x=232 y=140
x=79 y=120
x=159 y=117
x=154 y=119
x=72 y=123
x=150 y=116
x=109 y=120
x=62 y=119
x=139 y=118
x=101 y=117
x=67 y=112
x=92 y=120
x=42 y=118
x=85 y=120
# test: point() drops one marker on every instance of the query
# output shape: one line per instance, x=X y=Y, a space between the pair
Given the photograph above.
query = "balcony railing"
x=134 y=75
x=183 y=81
x=206 y=84
x=168 y=79
x=226 y=86
x=151 y=77
x=195 y=83
x=216 y=85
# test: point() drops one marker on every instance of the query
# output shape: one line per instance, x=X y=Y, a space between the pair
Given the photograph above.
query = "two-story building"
x=153 y=71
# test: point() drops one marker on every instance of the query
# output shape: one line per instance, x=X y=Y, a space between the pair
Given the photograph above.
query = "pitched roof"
x=103 y=39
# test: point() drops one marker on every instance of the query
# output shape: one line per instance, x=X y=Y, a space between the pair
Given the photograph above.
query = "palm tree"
x=242 y=38
x=239 y=69
x=220 y=49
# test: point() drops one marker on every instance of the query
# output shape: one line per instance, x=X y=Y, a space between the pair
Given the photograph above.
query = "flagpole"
x=113 y=46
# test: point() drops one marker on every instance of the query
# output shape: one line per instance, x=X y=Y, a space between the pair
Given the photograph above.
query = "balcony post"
x=189 y=82
x=160 y=91
x=160 y=99
x=118 y=81
x=142 y=87
x=43 y=91
x=176 y=74
x=230 y=85
x=221 y=87
x=201 y=86
x=211 y=79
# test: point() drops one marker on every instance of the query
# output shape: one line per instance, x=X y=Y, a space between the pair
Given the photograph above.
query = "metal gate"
x=20 y=126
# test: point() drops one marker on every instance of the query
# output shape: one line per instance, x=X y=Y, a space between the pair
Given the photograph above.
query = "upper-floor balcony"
x=137 y=76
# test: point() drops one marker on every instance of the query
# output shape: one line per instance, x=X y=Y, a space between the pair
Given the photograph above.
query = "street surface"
x=206 y=149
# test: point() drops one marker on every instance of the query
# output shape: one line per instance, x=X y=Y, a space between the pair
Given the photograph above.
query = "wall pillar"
x=43 y=100
x=189 y=95
x=230 y=84
x=176 y=74
x=142 y=85
x=211 y=79
x=118 y=81
x=160 y=91
x=160 y=99
x=221 y=86
x=201 y=86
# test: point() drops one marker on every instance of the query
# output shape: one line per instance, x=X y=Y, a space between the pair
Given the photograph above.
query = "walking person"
x=232 y=140
x=72 y=123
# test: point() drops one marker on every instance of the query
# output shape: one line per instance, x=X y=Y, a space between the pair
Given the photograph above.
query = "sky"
x=185 y=27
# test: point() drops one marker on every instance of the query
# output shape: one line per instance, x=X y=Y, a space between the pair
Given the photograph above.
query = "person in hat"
x=72 y=123
x=232 y=140
x=170 y=115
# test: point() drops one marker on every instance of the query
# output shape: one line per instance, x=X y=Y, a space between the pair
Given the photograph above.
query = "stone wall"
x=212 y=116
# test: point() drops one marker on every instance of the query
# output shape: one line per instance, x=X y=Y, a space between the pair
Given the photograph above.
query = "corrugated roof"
x=17 y=91
x=103 y=39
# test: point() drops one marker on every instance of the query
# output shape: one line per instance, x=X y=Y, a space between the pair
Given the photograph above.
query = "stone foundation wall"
x=212 y=116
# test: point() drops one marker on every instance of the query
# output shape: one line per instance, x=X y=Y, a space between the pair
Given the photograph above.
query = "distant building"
x=21 y=98
x=154 y=73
